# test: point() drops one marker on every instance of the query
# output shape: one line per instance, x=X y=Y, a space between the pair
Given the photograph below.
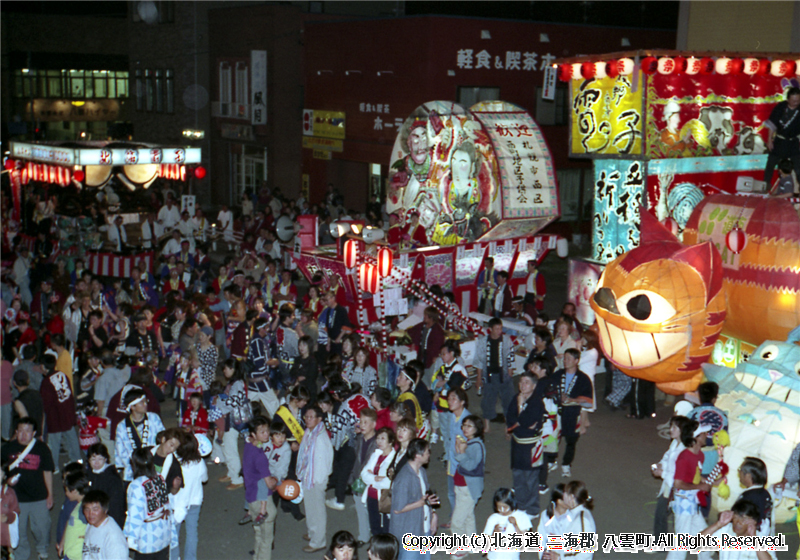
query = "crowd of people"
x=277 y=385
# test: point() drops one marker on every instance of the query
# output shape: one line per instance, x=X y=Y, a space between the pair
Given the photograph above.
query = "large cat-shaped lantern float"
x=660 y=307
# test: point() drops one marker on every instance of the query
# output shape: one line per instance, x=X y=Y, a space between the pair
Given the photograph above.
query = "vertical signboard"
x=258 y=67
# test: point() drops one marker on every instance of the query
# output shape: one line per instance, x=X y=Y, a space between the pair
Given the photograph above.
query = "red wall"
x=419 y=51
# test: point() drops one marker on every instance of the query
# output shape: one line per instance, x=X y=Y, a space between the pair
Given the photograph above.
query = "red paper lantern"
x=350 y=253
x=791 y=68
x=737 y=66
x=612 y=69
x=670 y=223
x=587 y=70
x=565 y=72
x=680 y=65
x=200 y=172
x=707 y=65
x=385 y=261
x=10 y=164
x=736 y=240
x=368 y=278
x=79 y=175
x=649 y=65
x=763 y=67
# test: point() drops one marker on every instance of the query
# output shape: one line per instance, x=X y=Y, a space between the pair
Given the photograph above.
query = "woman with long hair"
x=148 y=527
x=187 y=502
x=375 y=476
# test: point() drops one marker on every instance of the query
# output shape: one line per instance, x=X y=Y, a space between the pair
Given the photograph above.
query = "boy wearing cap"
x=139 y=430
x=688 y=466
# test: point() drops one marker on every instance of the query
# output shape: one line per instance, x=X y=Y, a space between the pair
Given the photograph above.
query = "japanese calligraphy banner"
x=526 y=170
x=258 y=66
x=619 y=191
x=444 y=167
x=607 y=117
x=710 y=115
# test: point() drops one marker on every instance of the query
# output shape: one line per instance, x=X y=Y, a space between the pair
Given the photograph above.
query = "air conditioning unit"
x=744 y=184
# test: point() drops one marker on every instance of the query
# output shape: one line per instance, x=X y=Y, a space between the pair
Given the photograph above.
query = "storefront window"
x=100 y=83
x=122 y=84
x=76 y=83
x=53 y=83
x=159 y=91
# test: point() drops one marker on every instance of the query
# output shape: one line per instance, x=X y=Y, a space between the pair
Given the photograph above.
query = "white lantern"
x=625 y=66
x=778 y=68
x=723 y=65
x=576 y=71
x=797 y=67
x=600 y=70
x=750 y=66
x=692 y=66
x=666 y=65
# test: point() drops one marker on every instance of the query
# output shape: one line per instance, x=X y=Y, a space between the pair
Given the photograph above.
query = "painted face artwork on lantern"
x=762 y=399
x=443 y=165
x=660 y=308
x=763 y=279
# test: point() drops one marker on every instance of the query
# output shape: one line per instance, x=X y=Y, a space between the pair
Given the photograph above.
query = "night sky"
x=643 y=14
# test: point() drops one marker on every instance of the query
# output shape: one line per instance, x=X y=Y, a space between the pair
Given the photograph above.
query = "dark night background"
x=651 y=15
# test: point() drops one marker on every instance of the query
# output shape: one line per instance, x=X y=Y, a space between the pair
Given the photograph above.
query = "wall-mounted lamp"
x=348 y=72
x=384 y=72
x=321 y=72
x=544 y=38
x=625 y=42
x=485 y=34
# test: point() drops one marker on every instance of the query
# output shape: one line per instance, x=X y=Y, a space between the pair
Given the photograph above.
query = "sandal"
x=260 y=518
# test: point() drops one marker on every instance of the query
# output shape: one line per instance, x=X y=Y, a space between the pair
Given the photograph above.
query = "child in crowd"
x=343 y=547
x=195 y=418
x=279 y=451
x=709 y=415
x=506 y=519
x=570 y=511
x=383 y=547
x=9 y=510
x=215 y=415
x=256 y=471
x=784 y=186
x=70 y=543
x=188 y=379
x=688 y=466
x=753 y=477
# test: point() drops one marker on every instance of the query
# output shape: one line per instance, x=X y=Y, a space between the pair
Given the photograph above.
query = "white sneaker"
x=566 y=471
x=333 y=504
x=552 y=466
x=434 y=439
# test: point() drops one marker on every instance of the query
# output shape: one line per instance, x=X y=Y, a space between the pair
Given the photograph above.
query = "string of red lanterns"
x=678 y=65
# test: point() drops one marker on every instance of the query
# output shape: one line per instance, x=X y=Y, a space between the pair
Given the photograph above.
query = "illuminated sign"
x=607 y=117
x=618 y=192
x=327 y=124
x=526 y=171
x=330 y=144
x=258 y=65
x=105 y=156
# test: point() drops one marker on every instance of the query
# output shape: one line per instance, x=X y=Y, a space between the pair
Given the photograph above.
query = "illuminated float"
x=464 y=184
x=95 y=165
x=682 y=136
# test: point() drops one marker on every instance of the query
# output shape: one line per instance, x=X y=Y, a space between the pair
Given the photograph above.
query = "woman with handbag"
x=412 y=499
x=375 y=476
x=235 y=404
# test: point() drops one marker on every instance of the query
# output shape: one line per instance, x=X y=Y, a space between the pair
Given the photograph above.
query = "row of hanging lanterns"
x=678 y=65
x=369 y=274
x=60 y=175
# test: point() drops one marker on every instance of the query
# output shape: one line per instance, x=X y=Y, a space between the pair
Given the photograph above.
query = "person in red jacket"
x=59 y=404
x=195 y=418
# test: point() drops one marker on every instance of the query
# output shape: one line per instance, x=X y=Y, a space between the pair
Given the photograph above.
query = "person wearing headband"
x=139 y=430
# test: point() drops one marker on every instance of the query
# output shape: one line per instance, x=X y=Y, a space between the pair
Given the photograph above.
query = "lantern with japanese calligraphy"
x=692 y=66
x=723 y=65
x=384 y=261
x=351 y=253
x=778 y=68
x=625 y=66
x=666 y=65
x=706 y=65
x=600 y=69
x=750 y=66
x=368 y=278
x=736 y=240
x=576 y=71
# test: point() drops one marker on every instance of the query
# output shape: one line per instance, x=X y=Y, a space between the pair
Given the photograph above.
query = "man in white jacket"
x=314 y=466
